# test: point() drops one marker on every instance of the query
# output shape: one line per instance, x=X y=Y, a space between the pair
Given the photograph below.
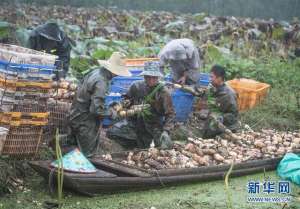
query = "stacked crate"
x=25 y=84
x=58 y=120
x=61 y=97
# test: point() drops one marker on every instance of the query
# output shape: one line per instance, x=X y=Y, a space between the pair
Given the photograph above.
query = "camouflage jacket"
x=162 y=113
x=225 y=101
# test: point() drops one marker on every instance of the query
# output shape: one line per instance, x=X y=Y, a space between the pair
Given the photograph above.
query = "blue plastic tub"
x=121 y=84
x=108 y=100
x=117 y=89
x=203 y=81
x=183 y=104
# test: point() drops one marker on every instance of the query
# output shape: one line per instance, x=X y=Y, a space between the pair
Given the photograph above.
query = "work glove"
x=126 y=103
x=220 y=119
x=113 y=114
x=114 y=109
x=203 y=114
x=165 y=140
x=217 y=117
x=201 y=92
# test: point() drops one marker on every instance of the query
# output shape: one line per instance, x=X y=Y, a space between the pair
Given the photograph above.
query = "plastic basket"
x=25 y=84
x=122 y=84
x=31 y=95
x=3 y=134
x=138 y=62
x=21 y=118
x=249 y=92
x=183 y=104
x=30 y=106
x=23 y=141
x=7 y=92
x=6 y=107
x=27 y=71
x=108 y=100
x=58 y=117
x=20 y=55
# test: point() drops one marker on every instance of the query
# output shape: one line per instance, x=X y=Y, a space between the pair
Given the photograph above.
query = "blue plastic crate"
x=183 y=104
x=27 y=70
x=108 y=100
x=42 y=69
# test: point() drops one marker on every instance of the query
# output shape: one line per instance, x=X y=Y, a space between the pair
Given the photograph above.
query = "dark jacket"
x=226 y=105
x=52 y=40
x=87 y=109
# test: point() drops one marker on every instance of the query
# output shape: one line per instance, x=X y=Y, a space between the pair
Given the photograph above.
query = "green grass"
x=287 y=116
x=206 y=195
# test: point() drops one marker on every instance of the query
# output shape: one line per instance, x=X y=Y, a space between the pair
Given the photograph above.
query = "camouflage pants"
x=130 y=135
x=211 y=129
x=202 y=126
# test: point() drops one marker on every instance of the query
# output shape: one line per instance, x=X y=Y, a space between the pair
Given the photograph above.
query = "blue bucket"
x=203 y=81
x=183 y=104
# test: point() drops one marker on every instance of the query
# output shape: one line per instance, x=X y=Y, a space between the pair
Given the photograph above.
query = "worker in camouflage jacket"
x=87 y=109
x=222 y=105
x=154 y=124
x=183 y=58
x=51 y=39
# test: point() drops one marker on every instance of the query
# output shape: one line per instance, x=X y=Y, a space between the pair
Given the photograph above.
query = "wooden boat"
x=112 y=176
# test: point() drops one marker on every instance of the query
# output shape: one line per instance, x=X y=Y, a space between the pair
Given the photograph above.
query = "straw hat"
x=115 y=65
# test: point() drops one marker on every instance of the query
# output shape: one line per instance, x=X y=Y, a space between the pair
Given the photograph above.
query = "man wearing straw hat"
x=87 y=109
x=156 y=123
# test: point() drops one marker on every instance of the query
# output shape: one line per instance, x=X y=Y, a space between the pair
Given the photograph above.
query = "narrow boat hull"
x=105 y=181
